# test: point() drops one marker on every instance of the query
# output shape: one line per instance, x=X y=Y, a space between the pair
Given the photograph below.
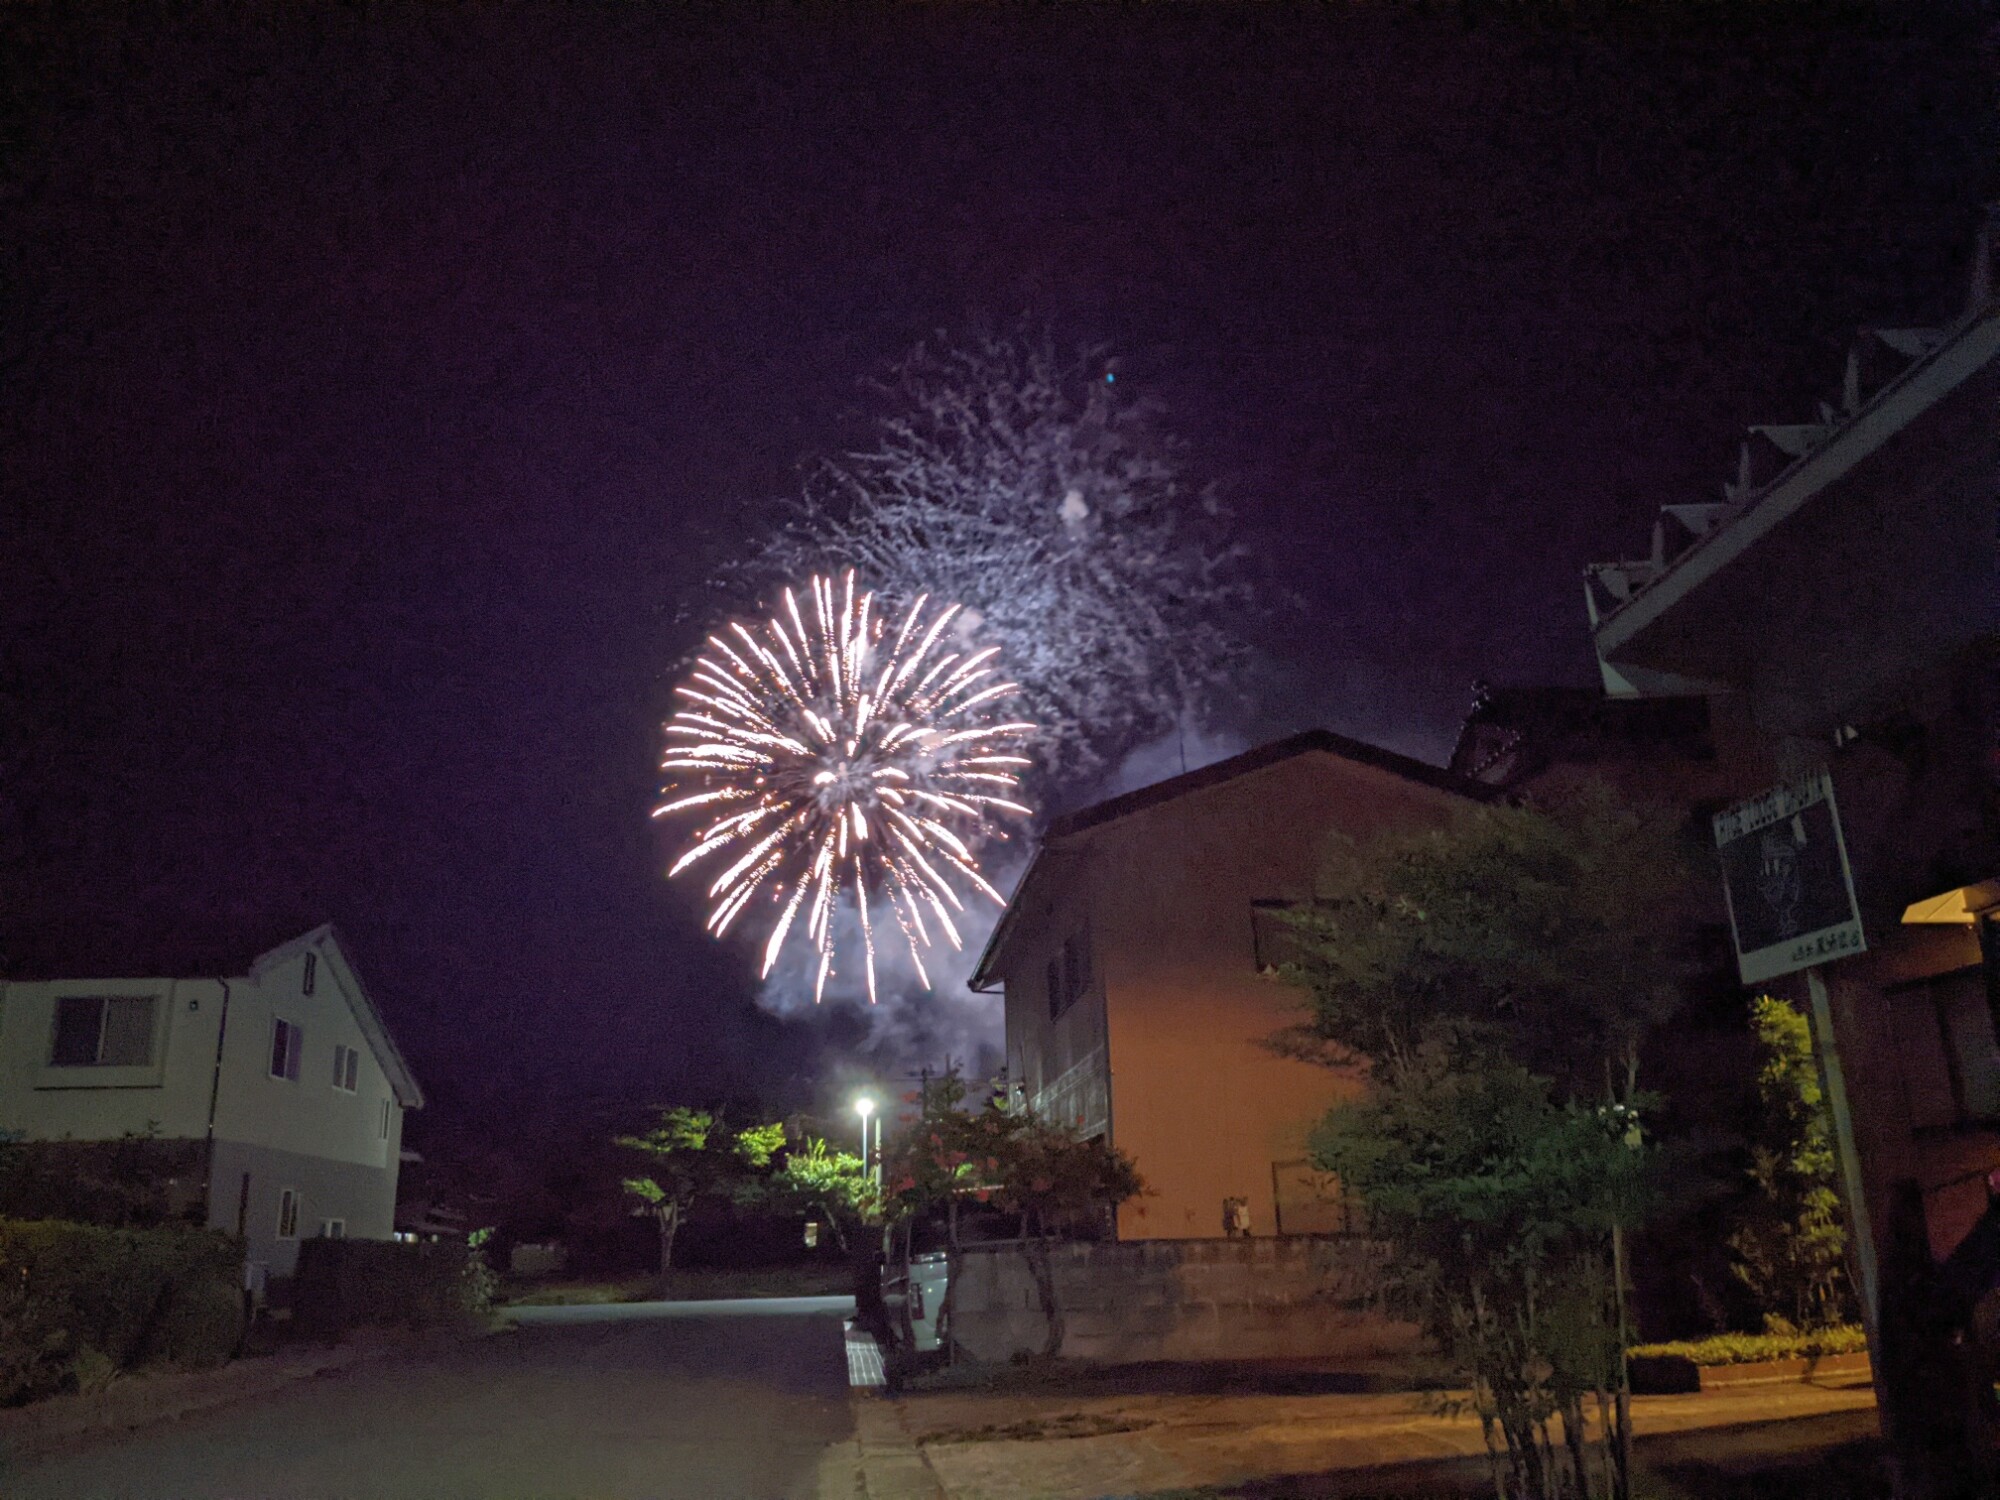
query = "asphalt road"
x=665 y=1401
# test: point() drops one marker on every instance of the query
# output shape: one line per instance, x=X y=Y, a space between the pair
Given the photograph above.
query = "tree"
x=1558 y=935
x=1791 y=1249
x=1500 y=974
x=1497 y=1201
x=1054 y=1180
x=1027 y=486
x=694 y=1155
x=838 y=1186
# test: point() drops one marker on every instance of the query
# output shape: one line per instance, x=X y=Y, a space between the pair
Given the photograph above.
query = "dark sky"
x=382 y=382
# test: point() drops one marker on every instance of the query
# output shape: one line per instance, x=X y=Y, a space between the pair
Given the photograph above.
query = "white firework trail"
x=838 y=759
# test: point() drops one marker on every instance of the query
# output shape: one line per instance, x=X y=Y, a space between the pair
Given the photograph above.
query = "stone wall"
x=1298 y=1297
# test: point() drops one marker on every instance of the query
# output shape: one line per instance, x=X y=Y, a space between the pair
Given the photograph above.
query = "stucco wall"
x=1185 y=1299
x=363 y=1196
x=170 y=1097
x=1199 y=1097
x=329 y=1142
x=307 y=1114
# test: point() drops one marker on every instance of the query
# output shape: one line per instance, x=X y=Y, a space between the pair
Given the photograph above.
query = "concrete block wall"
x=1298 y=1297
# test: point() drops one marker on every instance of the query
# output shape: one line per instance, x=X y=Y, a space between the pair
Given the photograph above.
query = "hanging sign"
x=1785 y=873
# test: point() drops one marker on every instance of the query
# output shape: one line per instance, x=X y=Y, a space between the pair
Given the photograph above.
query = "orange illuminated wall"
x=1177 y=1011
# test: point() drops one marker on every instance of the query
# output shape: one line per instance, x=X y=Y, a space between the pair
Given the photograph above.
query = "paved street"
x=665 y=1401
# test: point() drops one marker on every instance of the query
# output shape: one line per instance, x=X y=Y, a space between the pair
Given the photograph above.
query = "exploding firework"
x=842 y=759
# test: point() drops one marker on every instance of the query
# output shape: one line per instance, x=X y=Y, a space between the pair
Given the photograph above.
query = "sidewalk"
x=1003 y=1443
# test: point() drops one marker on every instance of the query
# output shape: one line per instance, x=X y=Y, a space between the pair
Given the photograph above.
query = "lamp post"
x=864 y=1107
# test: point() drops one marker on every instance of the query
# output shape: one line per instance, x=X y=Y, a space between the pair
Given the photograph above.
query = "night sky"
x=382 y=384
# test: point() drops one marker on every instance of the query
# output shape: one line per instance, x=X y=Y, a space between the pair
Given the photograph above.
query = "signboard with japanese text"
x=1785 y=872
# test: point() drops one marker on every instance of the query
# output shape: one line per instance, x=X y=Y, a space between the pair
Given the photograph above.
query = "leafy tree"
x=1498 y=1201
x=834 y=1184
x=1498 y=977
x=1054 y=1180
x=1555 y=935
x=694 y=1155
x=1791 y=1249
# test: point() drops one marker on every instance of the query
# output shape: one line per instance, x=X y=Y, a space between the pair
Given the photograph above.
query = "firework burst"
x=840 y=758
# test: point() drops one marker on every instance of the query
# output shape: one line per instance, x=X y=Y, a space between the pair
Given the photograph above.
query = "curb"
x=882 y=1461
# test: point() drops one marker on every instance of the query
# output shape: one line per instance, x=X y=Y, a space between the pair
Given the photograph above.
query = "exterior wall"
x=306 y=1115
x=1060 y=1061
x=1184 y=1299
x=303 y=1133
x=169 y=1099
x=363 y=1196
x=1196 y=1093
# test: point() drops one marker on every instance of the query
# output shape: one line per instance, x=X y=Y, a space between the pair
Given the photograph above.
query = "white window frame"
x=346 y=1068
x=333 y=1229
x=295 y=1047
x=383 y=1129
x=288 y=1213
x=311 y=973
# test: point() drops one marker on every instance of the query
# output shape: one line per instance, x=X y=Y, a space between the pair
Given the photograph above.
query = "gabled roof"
x=1311 y=742
x=1324 y=741
x=325 y=941
x=192 y=949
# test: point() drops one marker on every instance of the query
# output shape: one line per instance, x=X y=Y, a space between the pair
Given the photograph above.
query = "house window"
x=385 y=1120
x=288 y=1040
x=288 y=1213
x=103 y=1031
x=333 y=1229
x=312 y=973
x=346 y=1068
x=1069 y=973
x=1274 y=941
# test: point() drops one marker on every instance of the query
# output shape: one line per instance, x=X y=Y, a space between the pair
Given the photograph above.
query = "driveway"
x=666 y=1401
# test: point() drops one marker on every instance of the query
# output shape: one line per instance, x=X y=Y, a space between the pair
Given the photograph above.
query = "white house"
x=283 y=1083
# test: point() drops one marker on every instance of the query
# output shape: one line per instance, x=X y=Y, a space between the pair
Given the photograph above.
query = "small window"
x=333 y=1229
x=99 y=1031
x=311 y=974
x=385 y=1120
x=288 y=1040
x=346 y=1067
x=1274 y=934
x=288 y=1213
x=1069 y=973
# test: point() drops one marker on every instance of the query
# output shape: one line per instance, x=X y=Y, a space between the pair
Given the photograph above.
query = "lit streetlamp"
x=864 y=1107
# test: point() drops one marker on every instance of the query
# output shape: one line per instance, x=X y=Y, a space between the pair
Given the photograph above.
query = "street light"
x=864 y=1107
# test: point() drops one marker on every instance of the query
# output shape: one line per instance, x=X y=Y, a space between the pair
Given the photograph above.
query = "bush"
x=346 y=1284
x=1753 y=1348
x=79 y=1303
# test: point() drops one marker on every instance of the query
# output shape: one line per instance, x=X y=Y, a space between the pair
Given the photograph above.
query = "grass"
x=681 y=1286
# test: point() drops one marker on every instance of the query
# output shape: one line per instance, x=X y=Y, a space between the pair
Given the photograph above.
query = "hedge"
x=1753 y=1348
x=79 y=1303
x=344 y=1284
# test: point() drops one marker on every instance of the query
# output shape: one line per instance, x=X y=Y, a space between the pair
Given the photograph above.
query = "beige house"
x=282 y=1083
x=1135 y=958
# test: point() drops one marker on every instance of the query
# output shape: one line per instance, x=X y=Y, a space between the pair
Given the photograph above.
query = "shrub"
x=345 y=1284
x=79 y=1303
x=1753 y=1348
